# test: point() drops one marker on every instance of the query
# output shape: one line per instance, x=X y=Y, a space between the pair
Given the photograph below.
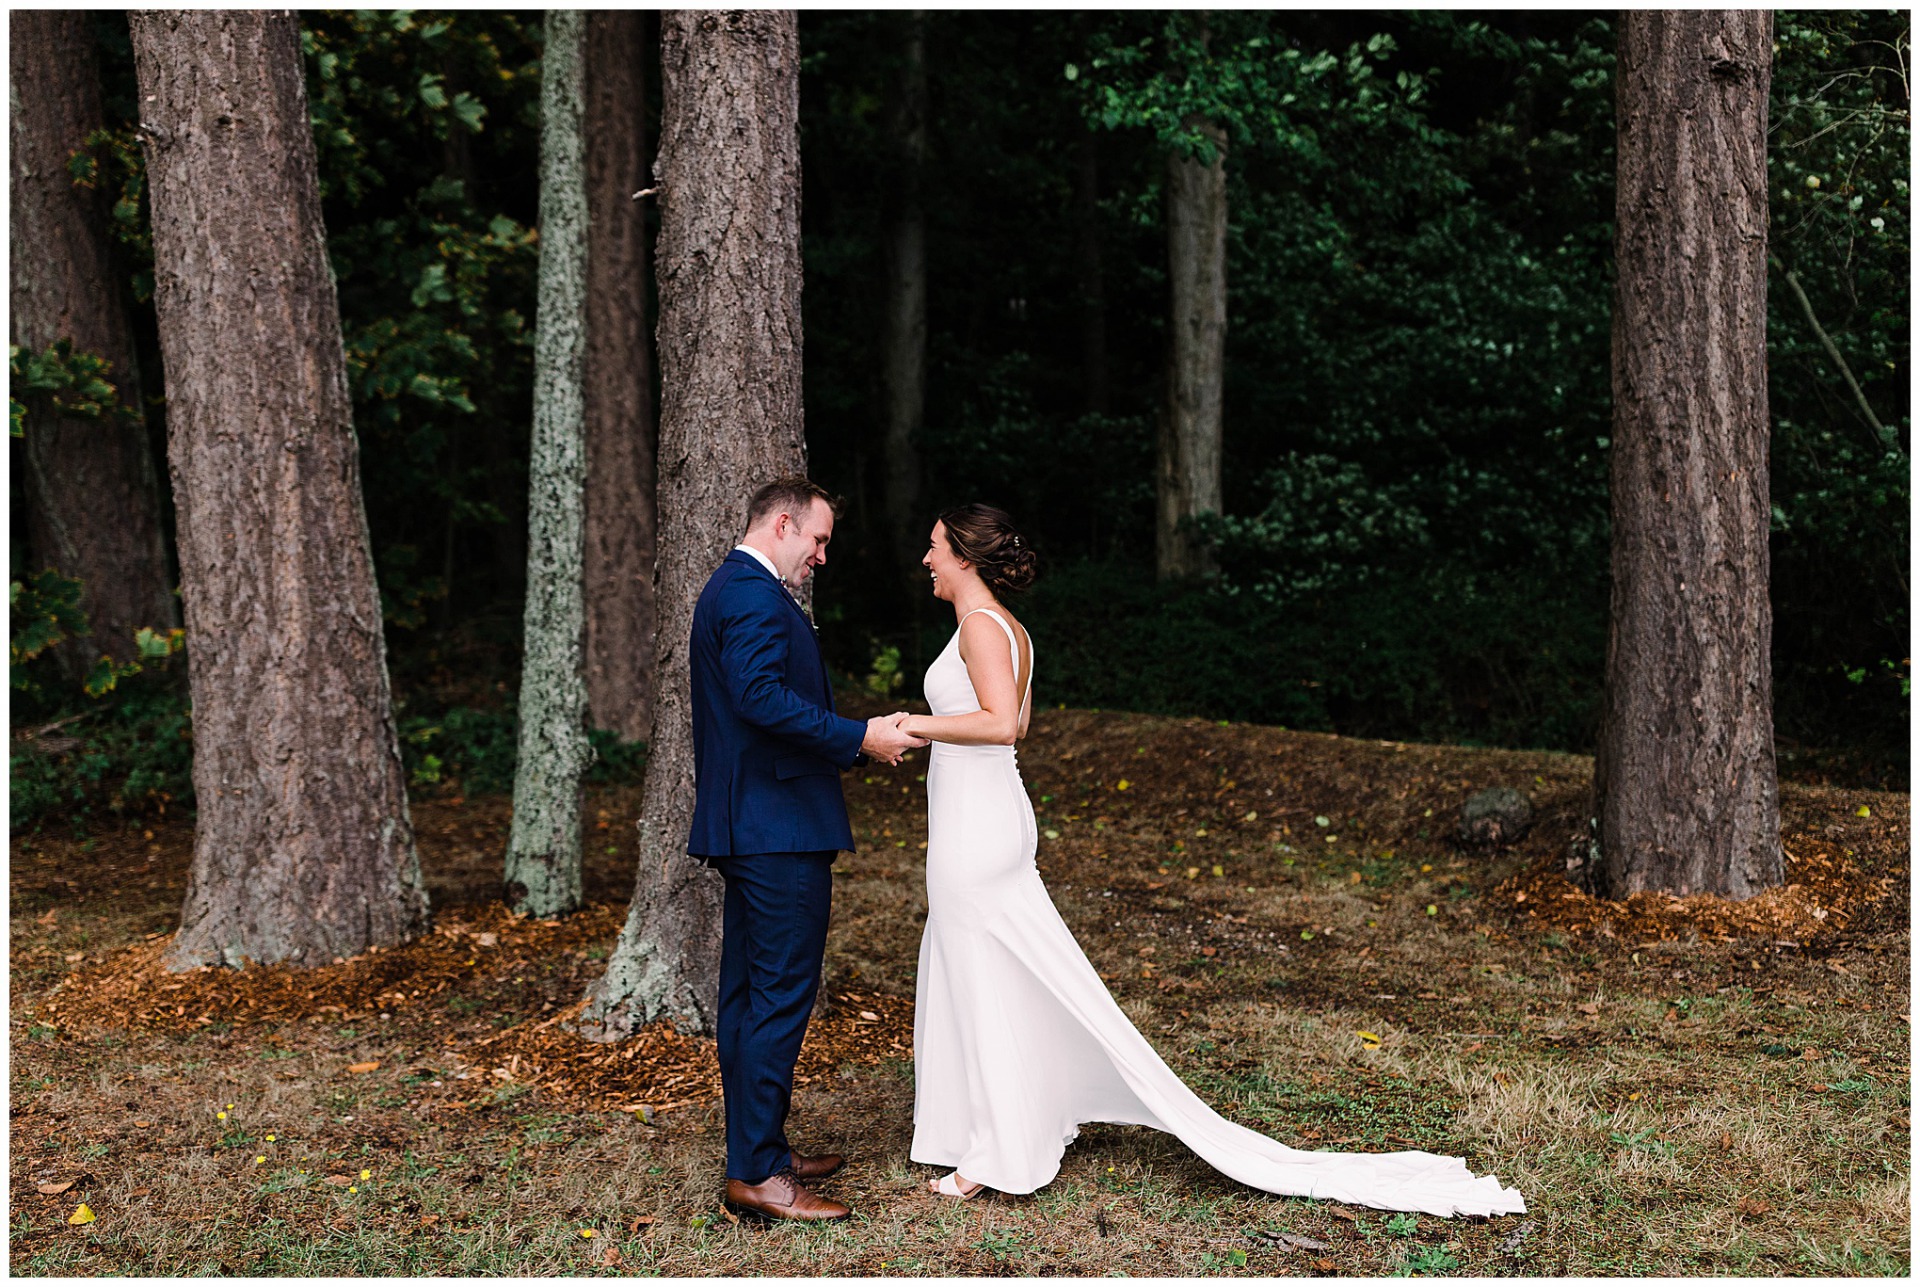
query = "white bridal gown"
x=1016 y=1041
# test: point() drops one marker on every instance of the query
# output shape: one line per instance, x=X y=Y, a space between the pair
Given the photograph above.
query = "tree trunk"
x=619 y=382
x=1187 y=482
x=543 y=853
x=730 y=419
x=905 y=344
x=303 y=850
x=92 y=493
x=1685 y=794
x=1092 y=275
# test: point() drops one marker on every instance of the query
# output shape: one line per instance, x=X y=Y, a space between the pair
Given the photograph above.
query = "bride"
x=1016 y=1041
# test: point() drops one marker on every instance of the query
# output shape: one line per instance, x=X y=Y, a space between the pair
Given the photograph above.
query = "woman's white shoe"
x=948 y=1186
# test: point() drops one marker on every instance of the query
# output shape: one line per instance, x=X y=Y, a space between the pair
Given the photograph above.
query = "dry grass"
x=1673 y=1095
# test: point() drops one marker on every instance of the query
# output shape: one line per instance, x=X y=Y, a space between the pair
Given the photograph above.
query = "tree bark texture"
x=905 y=344
x=1187 y=482
x=92 y=493
x=730 y=419
x=619 y=381
x=1685 y=794
x=543 y=852
x=303 y=850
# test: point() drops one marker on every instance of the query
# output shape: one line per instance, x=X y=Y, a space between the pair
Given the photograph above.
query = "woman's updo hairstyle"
x=985 y=537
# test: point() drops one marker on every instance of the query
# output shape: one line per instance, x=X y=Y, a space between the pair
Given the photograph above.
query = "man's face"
x=800 y=543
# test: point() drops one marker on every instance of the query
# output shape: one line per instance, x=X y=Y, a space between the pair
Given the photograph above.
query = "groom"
x=769 y=815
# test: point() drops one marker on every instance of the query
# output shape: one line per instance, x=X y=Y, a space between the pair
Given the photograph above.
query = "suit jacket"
x=768 y=748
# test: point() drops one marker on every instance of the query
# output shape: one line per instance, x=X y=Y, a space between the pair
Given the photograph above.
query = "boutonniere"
x=805 y=605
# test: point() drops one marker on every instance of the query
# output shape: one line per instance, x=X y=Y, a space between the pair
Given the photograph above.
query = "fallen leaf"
x=1511 y=1243
x=52 y=1190
x=1588 y=1007
x=1324 y=1266
x=367 y=1067
x=338 y=1181
x=1810 y=1054
x=1344 y=1213
x=487 y=939
x=138 y=1193
x=1726 y=1142
x=1753 y=1207
x=75 y=956
x=639 y=1223
x=82 y=1215
x=1368 y=1039
x=870 y=1016
x=144 y=1125
x=610 y=1256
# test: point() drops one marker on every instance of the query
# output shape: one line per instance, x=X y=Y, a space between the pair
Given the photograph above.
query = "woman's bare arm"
x=983 y=647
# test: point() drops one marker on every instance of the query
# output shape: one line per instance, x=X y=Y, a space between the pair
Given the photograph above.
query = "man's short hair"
x=793 y=494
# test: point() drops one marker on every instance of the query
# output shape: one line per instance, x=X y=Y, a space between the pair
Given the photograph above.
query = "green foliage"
x=70 y=383
x=1457 y=655
x=885 y=679
x=43 y=610
x=1238 y=70
x=112 y=161
x=132 y=757
x=473 y=752
x=1840 y=189
x=427 y=132
x=1422 y=1261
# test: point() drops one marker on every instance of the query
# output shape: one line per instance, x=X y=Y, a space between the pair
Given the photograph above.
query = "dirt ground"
x=1677 y=1086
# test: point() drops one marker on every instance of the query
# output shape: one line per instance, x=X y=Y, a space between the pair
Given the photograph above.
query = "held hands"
x=887 y=740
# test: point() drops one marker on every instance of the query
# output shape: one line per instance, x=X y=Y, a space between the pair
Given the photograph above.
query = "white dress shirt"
x=765 y=562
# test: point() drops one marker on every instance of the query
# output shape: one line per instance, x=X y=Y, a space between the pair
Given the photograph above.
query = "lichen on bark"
x=542 y=876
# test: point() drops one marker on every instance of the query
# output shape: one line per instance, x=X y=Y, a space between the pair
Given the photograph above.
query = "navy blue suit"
x=770 y=816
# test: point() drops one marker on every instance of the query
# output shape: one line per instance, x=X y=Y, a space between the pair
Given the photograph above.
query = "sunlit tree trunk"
x=730 y=419
x=92 y=493
x=1685 y=794
x=543 y=853
x=1187 y=481
x=619 y=381
x=303 y=849
x=905 y=347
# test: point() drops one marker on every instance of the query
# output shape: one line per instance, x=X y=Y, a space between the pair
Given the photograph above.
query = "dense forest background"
x=1415 y=529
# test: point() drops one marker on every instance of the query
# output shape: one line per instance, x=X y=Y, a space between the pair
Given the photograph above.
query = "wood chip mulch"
x=658 y=1067
x=1825 y=893
x=134 y=988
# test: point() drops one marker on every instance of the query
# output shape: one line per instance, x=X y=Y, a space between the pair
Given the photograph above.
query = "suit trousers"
x=773 y=939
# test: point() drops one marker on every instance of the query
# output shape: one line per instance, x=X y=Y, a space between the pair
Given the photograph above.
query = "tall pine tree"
x=730 y=419
x=543 y=853
x=1685 y=794
x=303 y=847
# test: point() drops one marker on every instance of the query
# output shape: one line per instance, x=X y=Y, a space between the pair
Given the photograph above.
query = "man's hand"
x=885 y=741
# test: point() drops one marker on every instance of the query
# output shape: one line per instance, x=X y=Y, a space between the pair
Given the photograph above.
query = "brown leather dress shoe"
x=781 y=1196
x=817 y=1167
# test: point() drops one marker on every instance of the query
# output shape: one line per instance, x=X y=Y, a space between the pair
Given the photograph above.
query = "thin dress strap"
x=1013 y=642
